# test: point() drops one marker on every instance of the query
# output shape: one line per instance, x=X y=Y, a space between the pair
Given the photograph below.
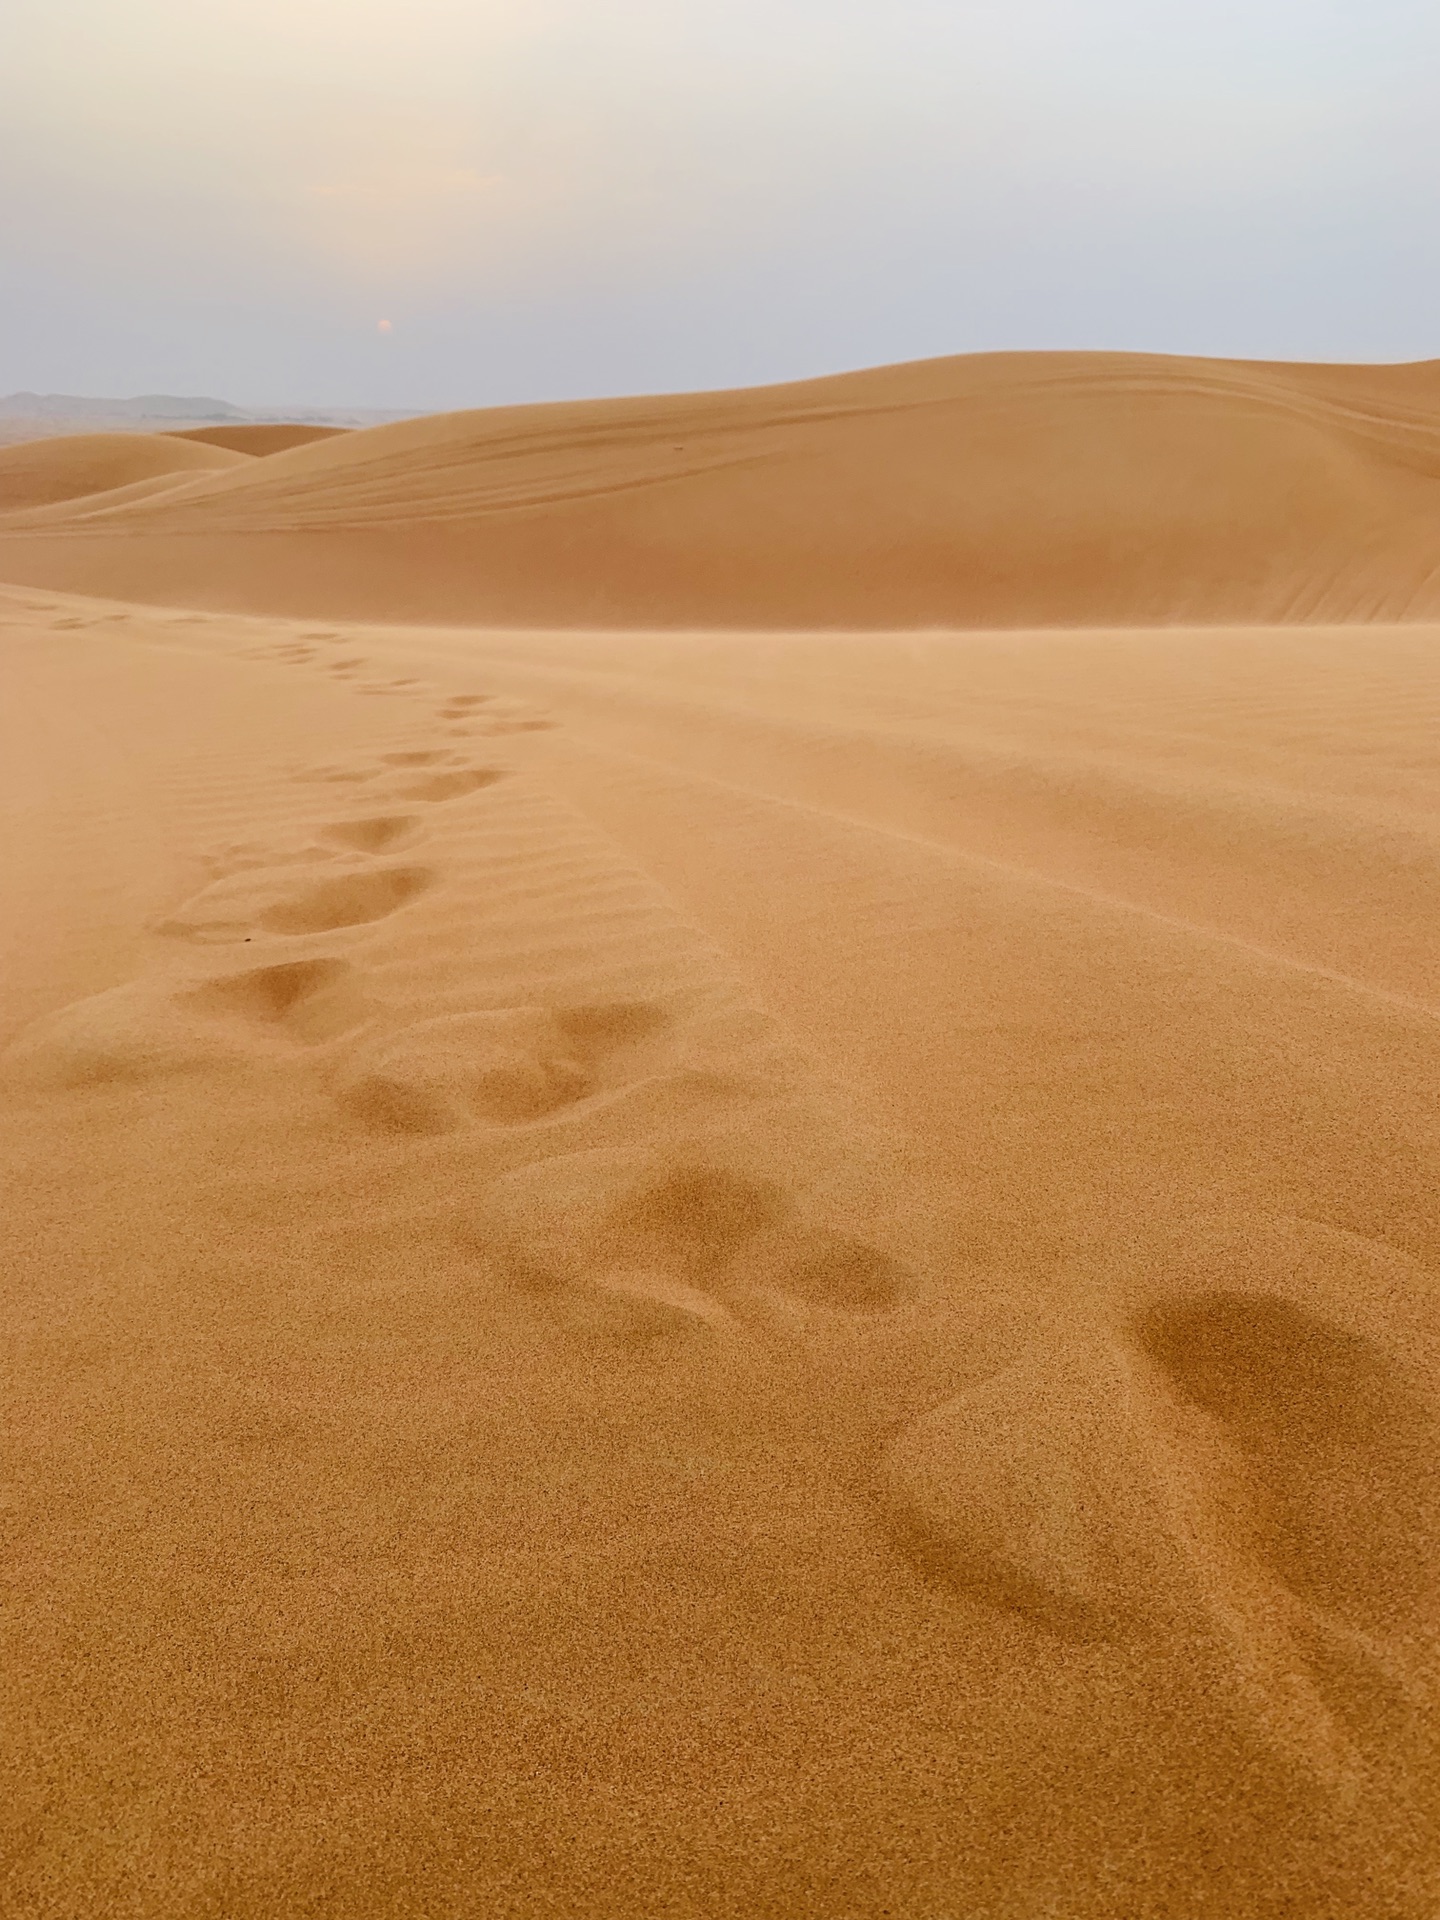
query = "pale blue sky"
x=558 y=197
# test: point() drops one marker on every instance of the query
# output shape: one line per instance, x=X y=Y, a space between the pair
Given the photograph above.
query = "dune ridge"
x=991 y=490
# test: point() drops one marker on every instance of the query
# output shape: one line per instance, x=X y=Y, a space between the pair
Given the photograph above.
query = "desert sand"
x=798 y=1274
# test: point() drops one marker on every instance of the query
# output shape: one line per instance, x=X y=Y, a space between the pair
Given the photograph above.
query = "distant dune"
x=997 y=490
x=260 y=437
x=82 y=466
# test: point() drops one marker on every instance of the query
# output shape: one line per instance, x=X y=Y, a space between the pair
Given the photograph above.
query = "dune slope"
x=40 y=473
x=997 y=490
x=672 y=1275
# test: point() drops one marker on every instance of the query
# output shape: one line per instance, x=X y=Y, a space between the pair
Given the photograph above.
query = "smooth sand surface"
x=720 y=1272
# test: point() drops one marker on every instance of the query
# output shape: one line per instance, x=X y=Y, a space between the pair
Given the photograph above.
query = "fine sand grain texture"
x=728 y=1272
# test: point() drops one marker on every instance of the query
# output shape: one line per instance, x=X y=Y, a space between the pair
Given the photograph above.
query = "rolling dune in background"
x=762 y=1269
x=998 y=490
x=91 y=466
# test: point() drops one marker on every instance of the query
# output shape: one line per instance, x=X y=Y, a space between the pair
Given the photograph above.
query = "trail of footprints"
x=463 y=713
x=1205 y=1455
x=712 y=1229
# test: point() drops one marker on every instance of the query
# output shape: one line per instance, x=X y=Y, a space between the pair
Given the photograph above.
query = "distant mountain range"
x=147 y=406
x=30 y=415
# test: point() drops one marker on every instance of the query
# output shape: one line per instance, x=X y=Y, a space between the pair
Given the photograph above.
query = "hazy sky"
x=432 y=203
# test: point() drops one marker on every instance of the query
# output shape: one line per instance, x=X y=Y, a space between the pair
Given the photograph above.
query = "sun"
x=383 y=326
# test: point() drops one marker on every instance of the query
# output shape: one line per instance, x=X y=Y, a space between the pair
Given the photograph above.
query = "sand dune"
x=259 y=438
x=729 y=1272
x=999 y=490
x=70 y=467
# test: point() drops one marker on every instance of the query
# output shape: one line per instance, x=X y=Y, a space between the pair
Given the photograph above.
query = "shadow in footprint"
x=596 y=1031
x=454 y=785
x=506 y=1069
x=832 y=1270
x=1244 y=1461
x=372 y=835
x=509 y=1067
x=347 y=900
x=313 y=1000
x=149 y=1030
x=701 y=1216
x=274 y=900
x=737 y=1232
x=1338 y=1452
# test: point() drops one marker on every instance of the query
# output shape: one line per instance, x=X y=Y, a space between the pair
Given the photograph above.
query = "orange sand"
x=798 y=1274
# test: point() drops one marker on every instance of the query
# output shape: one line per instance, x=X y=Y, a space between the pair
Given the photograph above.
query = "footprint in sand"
x=240 y=856
x=372 y=833
x=309 y=1000
x=338 y=776
x=290 y=653
x=734 y=1232
x=1037 y=1493
x=375 y=833
x=1229 y=1460
x=294 y=902
x=153 y=1029
x=449 y=782
x=699 y=1231
x=463 y=707
x=1335 y=1451
x=505 y=1068
x=451 y=785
